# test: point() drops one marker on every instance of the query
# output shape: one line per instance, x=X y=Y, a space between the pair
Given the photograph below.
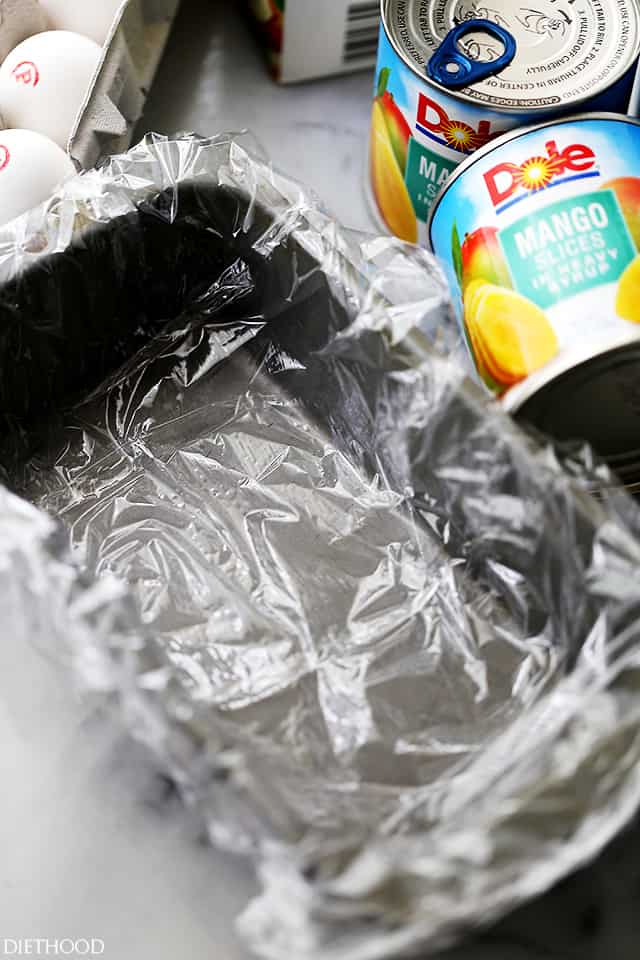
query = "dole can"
x=539 y=235
x=454 y=74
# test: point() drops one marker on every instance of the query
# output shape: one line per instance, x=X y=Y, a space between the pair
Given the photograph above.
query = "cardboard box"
x=130 y=58
x=305 y=39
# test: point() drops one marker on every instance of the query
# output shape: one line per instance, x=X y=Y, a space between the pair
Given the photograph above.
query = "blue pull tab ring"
x=452 y=68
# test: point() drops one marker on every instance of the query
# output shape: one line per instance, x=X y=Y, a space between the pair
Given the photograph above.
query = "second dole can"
x=454 y=74
x=539 y=235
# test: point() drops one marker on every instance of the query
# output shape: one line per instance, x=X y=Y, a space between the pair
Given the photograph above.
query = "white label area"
x=325 y=38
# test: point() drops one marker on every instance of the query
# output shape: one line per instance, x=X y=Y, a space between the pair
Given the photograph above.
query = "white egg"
x=31 y=166
x=44 y=81
x=93 y=18
x=19 y=19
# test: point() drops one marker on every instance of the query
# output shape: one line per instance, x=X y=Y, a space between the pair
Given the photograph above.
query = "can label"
x=540 y=237
x=419 y=135
x=568 y=51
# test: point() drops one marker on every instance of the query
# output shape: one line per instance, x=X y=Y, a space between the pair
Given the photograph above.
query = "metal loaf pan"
x=383 y=640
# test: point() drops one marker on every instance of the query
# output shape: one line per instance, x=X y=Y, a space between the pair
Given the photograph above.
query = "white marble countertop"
x=213 y=79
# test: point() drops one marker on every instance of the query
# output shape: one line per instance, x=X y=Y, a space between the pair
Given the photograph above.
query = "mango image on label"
x=472 y=296
x=511 y=336
x=390 y=135
x=472 y=334
x=627 y=191
x=483 y=259
x=490 y=374
x=628 y=297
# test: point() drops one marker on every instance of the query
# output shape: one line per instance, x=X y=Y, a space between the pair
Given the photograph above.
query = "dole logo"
x=434 y=121
x=506 y=179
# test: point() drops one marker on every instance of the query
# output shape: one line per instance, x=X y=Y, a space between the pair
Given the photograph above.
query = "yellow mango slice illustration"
x=515 y=336
x=490 y=373
x=389 y=187
x=628 y=297
x=472 y=296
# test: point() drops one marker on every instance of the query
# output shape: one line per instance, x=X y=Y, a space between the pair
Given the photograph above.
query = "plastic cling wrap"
x=386 y=642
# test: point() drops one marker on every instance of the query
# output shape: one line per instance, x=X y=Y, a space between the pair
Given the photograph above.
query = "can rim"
x=518 y=396
x=502 y=108
x=507 y=138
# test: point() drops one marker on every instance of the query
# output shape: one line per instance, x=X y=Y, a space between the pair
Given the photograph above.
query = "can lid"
x=597 y=401
x=568 y=51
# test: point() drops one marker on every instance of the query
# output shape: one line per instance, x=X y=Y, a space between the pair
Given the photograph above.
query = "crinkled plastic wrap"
x=386 y=642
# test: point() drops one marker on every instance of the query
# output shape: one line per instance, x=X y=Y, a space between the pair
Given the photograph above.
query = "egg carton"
x=115 y=101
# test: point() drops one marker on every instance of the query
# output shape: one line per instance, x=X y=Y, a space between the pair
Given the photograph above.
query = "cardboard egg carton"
x=130 y=58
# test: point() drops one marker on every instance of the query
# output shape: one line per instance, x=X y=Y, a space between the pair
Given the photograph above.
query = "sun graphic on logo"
x=460 y=136
x=537 y=173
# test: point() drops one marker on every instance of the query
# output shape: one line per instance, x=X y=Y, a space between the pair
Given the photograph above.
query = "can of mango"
x=539 y=235
x=454 y=74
